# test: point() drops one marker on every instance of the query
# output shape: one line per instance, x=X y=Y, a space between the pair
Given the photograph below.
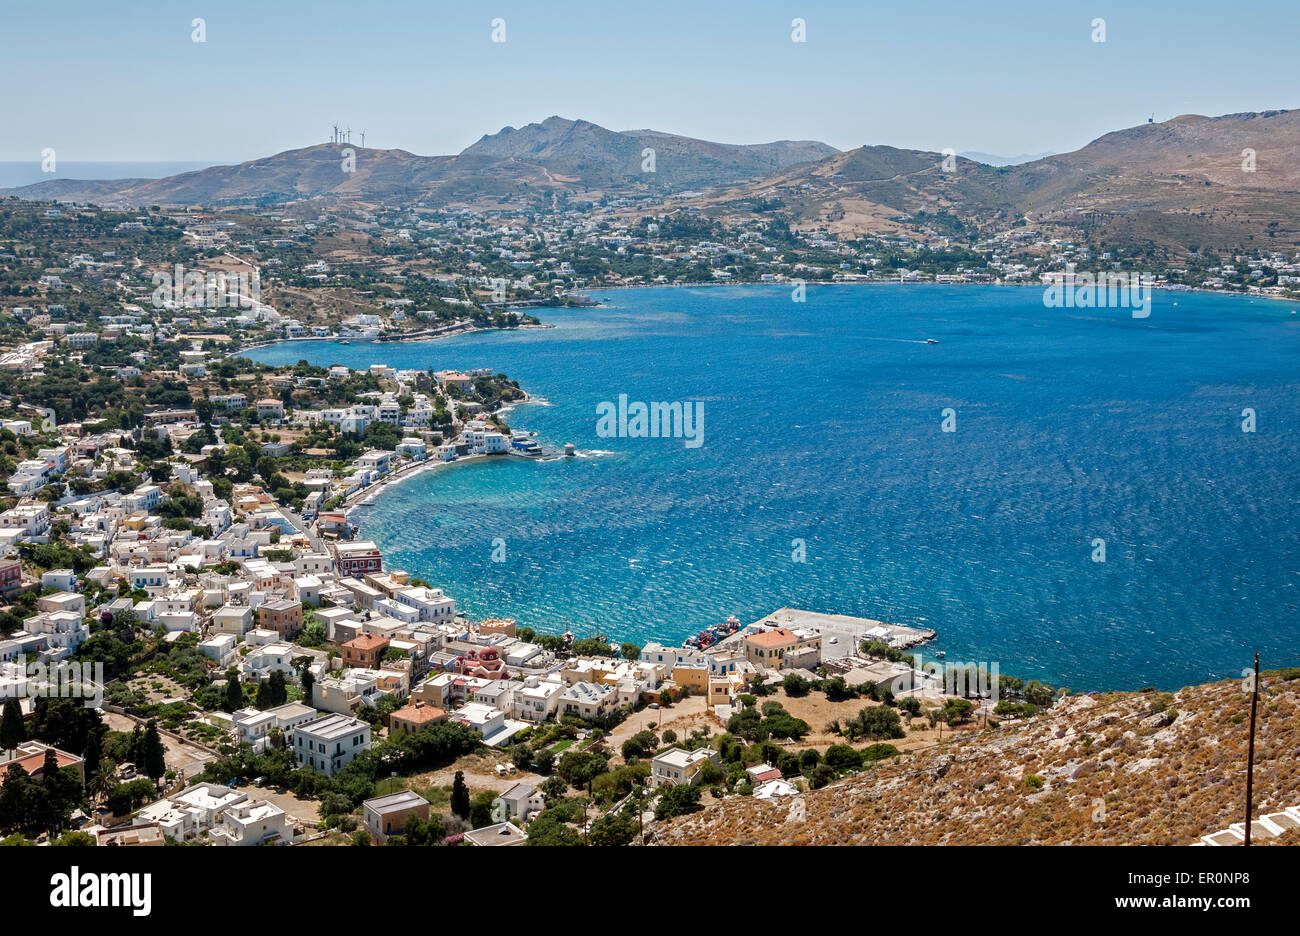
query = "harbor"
x=842 y=634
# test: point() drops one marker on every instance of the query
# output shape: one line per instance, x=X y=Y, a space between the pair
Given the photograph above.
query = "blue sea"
x=825 y=479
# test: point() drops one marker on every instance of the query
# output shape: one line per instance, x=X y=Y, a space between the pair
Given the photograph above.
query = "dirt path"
x=681 y=717
x=186 y=759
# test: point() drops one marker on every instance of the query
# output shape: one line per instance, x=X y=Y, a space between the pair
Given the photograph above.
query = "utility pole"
x=1250 y=751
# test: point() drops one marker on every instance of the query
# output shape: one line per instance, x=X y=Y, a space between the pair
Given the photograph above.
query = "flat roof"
x=333 y=726
x=395 y=801
x=503 y=833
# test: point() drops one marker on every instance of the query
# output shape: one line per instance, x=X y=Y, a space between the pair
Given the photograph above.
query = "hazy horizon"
x=130 y=85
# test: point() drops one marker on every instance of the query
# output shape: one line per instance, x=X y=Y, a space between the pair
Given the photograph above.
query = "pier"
x=842 y=634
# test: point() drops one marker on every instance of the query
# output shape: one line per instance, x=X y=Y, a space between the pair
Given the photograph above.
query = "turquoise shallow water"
x=822 y=423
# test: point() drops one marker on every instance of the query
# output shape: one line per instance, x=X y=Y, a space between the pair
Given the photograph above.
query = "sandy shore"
x=368 y=494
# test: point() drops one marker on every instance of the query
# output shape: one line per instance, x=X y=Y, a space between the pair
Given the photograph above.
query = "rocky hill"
x=583 y=151
x=1141 y=768
x=1164 y=187
x=556 y=155
x=1173 y=185
x=377 y=176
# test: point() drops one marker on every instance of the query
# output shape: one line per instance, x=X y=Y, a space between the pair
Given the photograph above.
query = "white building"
x=537 y=699
x=191 y=812
x=328 y=743
x=252 y=823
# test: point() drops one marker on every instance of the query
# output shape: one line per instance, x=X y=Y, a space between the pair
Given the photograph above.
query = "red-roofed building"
x=30 y=757
x=768 y=648
x=415 y=716
x=364 y=651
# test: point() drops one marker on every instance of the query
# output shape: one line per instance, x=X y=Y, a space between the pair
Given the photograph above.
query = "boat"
x=941 y=653
x=344 y=341
x=932 y=341
x=714 y=634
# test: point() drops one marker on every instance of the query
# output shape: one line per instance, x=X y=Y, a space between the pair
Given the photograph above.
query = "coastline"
x=371 y=494
x=412 y=338
x=366 y=495
x=586 y=293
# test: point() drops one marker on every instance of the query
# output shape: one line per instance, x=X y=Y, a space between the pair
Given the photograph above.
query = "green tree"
x=234 y=694
x=553 y=788
x=547 y=830
x=545 y=760
x=677 y=801
x=480 y=811
x=521 y=755
x=279 y=690
x=795 y=686
x=75 y=838
x=956 y=711
x=155 y=763
x=460 y=803
x=613 y=829
x=93 y=754
x=875 y=722
x=12 y=732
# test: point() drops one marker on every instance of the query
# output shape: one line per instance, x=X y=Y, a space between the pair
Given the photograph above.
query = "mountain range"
x=1191 y=180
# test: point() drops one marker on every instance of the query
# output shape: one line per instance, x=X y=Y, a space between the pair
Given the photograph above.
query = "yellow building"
x=692 y=676
x=723 y=689
x=768 y=648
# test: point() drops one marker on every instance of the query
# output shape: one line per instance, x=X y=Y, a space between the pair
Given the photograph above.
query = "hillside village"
x=178 y=516
x=178 y=553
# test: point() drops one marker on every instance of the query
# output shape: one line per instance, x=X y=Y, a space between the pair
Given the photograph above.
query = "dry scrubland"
x=1169 y=767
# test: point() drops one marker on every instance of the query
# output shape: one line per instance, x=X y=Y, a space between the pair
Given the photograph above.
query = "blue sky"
x=124 y=81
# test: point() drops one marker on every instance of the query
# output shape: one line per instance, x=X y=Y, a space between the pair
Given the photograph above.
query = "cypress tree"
x=234 y=694
x=155 y=764
x=12 y=732
x=93 y=753
x=460 y=796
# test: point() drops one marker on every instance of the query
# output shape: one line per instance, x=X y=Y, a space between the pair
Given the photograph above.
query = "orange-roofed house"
x=767 y=648
x=416 y=716
x=364 y=651
x=30 y=757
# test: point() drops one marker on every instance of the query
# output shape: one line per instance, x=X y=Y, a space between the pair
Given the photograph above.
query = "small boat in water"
x=711 y=635
x=932 y=341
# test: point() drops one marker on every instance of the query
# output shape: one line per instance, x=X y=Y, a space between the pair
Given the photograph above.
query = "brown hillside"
x=1138 y=768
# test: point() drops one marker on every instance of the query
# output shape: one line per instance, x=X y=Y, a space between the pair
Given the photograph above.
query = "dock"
x=846 y=631
x=841 y=633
